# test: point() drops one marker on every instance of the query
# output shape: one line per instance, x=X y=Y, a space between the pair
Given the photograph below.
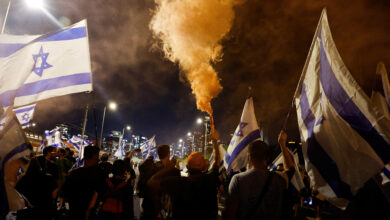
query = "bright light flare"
x=112 y=106
x=199 y=121
x=35 y=4
x=180 y=140
x=189 y=134
x=128 y=127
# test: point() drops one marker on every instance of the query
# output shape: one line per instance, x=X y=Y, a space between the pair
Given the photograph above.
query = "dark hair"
x=163 y=151
x=118 y=168
x=90 y=151
x=47 y=149
x=104 y=157
x=259 y=151
x=62 y=150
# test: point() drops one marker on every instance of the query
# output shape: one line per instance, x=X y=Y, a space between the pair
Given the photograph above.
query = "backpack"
x=112 y=201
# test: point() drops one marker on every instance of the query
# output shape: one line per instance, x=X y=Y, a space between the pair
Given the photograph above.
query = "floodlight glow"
x=199 y=121
x=189 y=134
x=112 y=106
x=35 y=4
x=180 y=140
x=128 y=127
x=34 y=124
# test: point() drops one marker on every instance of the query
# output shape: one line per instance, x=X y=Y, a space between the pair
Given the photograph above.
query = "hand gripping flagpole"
x=284 y=128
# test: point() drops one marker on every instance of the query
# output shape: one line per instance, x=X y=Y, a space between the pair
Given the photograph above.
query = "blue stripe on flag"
x=62 y=35
x=20 y=110
x=317 y=156
x=243 y=143
x=7 y=97
x=8 y=49
x=386 y=172
x=70 y=34
x=347 y=109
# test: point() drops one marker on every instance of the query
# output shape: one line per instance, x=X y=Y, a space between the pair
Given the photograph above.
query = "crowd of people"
x=56 y=186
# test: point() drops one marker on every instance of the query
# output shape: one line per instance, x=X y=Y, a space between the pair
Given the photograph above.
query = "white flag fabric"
x=120 y=152
x=53 y=138
x=246 y=132
x=222 y=153
x=345 y=137
x=381 y=70
x=148 y=147
x=13 y=146
x=79 y=143
x=37 y=67
x=25 y=114
x=296 y=180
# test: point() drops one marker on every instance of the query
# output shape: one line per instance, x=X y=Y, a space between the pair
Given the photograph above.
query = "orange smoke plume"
x=190 y=32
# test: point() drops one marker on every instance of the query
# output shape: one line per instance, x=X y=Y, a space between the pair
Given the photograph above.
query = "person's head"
x=195 y=162
x=163 y=151
x=104 y=157
x=61 y=152
x=50 y=152
x=91 y=155
x=119 y=168
x=259 y=153
x=67 y=151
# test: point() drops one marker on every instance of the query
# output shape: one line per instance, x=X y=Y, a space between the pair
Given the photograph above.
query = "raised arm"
x=287 y=160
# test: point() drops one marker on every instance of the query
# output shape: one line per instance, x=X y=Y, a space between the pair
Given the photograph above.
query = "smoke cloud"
x=190 y=33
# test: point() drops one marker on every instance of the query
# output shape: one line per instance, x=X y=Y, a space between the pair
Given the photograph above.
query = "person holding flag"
x=258 y=193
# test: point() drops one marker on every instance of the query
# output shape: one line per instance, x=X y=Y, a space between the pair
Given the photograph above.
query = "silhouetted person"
x=85 y=185
x=258 y=193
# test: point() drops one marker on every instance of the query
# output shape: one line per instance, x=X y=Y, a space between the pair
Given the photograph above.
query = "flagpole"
x=6 y=16
x=101 y=131
x=304 y=69
x=85 y=121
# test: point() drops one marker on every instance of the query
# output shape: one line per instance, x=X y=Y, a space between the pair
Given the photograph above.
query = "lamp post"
x=112 y=106
x=30 y=3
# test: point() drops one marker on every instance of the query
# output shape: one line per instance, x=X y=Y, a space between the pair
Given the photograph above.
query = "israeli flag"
x=79 y=143
x=120 y=152
x=25 y=114
x=345 y=137
x=246 y=132
x=297 y=179
x=39 y=67
x=13 y=146
x=53 y=138
x=148 y=147
x=222 y=153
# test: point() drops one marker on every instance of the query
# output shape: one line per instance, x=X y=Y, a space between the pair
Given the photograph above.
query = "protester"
x=259 y=193
x=47 y=161
x=195 y=196
x=149 y=191
x=104 y=164
x=12 y=172
x=117 y=202
x=63 y=164
x=85 y=185
x=40 y=190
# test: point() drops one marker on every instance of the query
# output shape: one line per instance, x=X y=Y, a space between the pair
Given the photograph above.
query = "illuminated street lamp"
x=199 y=121
x=112 y=106
x=35 y=4
x=31 y=4
x=189 y=134
x=128 y=127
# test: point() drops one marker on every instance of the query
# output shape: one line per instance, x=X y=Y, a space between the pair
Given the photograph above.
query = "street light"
x=112 y=106
x=35 y=4
x=30 y=3
x=189 y=134
x=33 y=124
x=128 y=127
x=199 y=121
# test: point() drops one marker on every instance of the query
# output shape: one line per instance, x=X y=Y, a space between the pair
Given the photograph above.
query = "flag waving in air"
x=345 y=138
x=246 y=132
x=25 y=114
x=13 y=146
x=148 y=147
x=34 y=68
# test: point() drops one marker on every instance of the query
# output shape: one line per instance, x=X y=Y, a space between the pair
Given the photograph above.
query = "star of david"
x=38 y=69
x=240 y=127
x=25 y=117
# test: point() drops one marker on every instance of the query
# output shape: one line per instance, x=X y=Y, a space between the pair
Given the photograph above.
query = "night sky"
x=265 y=49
